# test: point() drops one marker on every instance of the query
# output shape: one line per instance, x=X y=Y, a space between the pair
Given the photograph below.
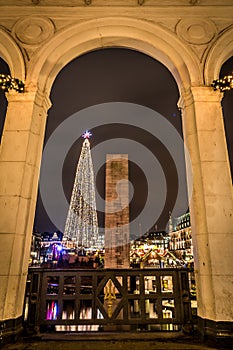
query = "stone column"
x=116 y=212
x=211 y=208
x=20 y=158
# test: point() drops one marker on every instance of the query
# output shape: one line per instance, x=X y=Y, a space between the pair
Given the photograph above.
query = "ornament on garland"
x=223 y=84
x=8 y=83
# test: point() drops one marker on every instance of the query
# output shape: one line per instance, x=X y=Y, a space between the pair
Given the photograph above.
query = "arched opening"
x=117 y=75
x=143 y=36
x=120 y=75
x=79 y=39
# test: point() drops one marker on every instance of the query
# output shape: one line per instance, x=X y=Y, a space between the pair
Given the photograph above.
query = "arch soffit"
x=130 y=33
x=12 y=55
x=219 y=53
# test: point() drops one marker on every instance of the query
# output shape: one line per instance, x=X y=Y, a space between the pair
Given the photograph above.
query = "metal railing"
x=74 y=300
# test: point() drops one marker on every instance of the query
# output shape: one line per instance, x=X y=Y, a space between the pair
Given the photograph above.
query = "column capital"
x=199 y=94
x=186 y=99
x=40 y=98
x=206 y=94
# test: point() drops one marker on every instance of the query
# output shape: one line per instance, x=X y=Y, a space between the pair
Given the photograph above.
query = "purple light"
x=59 y=248
x=52 y=310
x=87 y=134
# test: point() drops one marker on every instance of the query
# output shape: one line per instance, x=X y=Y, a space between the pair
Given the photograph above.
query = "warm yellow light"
x=223 y=84
x=8 y=83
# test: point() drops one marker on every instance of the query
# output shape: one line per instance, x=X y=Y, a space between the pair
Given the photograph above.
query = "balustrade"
x=91 y=300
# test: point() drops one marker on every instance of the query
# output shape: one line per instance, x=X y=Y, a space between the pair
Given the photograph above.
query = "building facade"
x=180 y=234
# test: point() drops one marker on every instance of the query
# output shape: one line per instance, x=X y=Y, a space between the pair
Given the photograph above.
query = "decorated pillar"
x=20 y=157
x=211 y=207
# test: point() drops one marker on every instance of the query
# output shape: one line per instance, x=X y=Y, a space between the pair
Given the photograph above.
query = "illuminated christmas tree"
x=81 y=223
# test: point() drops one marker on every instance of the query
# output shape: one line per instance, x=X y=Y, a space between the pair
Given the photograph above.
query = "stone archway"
x=11 y=53
x=218 y=54
x=211 y=203
x=150 y=39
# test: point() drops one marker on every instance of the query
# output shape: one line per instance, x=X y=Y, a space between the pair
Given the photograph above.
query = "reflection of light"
x=52 y=310
x=55 y=311
x=26 y=309
x=59 y=248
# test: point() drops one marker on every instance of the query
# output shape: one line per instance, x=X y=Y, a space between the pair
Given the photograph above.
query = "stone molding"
x=41 y=99
x=216 y=333
x=198 y=94
x=186 y=99
x=149 y=3
x=33 y=30
x=206 y=94
x=219 y=52
x=32 y=27
x=196 y=31
x=11 y=330
x=113 y=32
x=11 y=53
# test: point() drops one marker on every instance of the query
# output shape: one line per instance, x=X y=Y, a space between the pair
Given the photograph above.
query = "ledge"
x=216 y=333
x=10 y=330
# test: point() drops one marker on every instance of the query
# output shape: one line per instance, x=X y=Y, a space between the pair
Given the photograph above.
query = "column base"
x=217 y=333
x=10 y=330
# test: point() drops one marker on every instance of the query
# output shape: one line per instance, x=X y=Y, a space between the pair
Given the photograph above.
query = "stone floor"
x=116 y=341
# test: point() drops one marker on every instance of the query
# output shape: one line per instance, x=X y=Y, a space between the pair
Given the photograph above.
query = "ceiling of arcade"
x=195 y=23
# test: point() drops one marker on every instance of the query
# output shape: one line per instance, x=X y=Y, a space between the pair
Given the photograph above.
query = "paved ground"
x=100 y=345
x=112 y=342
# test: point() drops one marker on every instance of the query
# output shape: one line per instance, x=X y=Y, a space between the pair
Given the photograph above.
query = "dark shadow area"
x=227 y=106
x=4 y=69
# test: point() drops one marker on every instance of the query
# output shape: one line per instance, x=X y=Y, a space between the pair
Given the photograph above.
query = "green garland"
x=8 y=83
x=223 y=84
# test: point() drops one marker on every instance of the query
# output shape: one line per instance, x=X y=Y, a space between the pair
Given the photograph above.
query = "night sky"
x=119 y=75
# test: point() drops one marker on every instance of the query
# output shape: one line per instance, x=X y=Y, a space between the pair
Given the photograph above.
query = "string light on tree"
x=82 y=223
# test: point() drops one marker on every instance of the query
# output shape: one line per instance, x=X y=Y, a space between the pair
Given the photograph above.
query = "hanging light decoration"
x=8 y=83
x=223 y=84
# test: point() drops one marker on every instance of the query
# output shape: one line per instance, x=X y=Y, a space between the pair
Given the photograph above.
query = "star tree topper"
x=87 y=134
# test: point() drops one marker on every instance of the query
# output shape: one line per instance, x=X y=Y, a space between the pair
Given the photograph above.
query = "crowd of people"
x=69 y=259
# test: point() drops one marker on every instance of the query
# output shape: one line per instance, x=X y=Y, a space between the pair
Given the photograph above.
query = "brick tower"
x=117 y=211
